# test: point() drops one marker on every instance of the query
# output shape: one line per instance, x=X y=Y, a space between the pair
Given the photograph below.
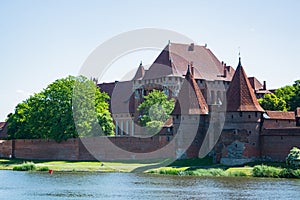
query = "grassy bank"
x=256 y=171
x=78 y=166
x=188 y=167
x=182 y=171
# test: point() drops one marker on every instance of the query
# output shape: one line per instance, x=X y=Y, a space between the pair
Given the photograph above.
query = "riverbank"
x=71 y=166
x=245 y=171
x=189 y=167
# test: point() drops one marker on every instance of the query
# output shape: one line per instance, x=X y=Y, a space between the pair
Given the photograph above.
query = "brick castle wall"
x=5 y=148
x=75 y=149
x=277 y=143
x=46 y=149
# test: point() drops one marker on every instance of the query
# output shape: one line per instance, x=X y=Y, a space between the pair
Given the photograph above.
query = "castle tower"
x=189 y=117
x=239 y=142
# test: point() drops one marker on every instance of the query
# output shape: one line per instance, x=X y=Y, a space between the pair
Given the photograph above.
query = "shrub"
x=236 y=173
x=266 y=171
x=26 y=166
x=43 y=169
x=293 y=159
x=289 y=173
x=296 y=173
x=207 y=172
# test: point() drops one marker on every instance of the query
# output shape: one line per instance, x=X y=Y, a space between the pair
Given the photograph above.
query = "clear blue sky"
x=42 y=41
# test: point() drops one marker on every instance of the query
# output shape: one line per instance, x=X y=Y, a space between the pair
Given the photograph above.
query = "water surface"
x=114 y=186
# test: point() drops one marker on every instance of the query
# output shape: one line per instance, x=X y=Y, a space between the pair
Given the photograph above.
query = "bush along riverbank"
x=256 y=171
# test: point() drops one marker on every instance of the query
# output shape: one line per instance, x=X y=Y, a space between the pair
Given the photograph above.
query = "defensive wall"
x=75 y=149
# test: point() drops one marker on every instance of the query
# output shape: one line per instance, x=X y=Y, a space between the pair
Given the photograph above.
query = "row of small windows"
x=241 y=115
x=160 y=80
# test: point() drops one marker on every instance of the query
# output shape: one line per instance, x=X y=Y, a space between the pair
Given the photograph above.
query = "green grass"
x=43 y=169
x=197 y=167
x=84 y=166
x=275 y=172
x=186 y=171
x=239 y=171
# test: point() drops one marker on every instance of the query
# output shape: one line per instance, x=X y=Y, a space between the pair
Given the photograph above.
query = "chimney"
x=225 y=69
x=225 y=73
x=191 y=47
x=264 y=86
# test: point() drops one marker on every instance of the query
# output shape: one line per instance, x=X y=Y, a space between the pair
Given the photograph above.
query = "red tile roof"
x=174 y=59
x=240 y=94
x=281 y=115
x=190 y=99
x=256 y=85
x=2 y=125
x=121 y=96
x=169 y=122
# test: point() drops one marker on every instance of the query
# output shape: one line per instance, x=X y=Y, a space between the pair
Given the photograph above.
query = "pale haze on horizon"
x=42 y=41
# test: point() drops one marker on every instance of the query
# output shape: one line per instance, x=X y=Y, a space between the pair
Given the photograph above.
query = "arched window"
x=117 y=128
x=136 y=94
x=219 y=98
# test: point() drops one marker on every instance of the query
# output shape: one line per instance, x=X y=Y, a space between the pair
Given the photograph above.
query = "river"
x=113 y=186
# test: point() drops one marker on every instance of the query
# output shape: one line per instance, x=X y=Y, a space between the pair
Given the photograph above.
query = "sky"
x=41 y=41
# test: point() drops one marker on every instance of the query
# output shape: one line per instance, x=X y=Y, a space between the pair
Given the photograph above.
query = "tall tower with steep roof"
x=189 y=117
x=239 y=142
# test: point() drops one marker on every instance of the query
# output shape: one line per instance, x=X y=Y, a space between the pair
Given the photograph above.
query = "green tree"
x=295 y=100
x=272 y=102
x=285 y=98
x=155 y=109
x=49 y=114
x=286 y=93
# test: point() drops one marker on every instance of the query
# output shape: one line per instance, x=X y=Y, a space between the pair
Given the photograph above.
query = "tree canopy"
x=285 y=98
x=272 y=102
x=49 y=114
x=155 y=109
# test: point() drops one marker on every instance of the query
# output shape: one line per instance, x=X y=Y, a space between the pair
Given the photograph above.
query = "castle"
x=214 y=100
x=216 y=111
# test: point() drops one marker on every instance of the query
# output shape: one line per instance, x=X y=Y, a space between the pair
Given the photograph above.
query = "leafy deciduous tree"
x=49 y=114
x=155 y=109
x=285 y=98
x=272 y=102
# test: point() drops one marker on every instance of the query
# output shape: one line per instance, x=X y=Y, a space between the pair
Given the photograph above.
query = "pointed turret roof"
x=240 y=94
x=190 y=100
x=139 y=73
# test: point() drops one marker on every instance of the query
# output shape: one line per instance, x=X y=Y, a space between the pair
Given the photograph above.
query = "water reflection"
x=39 y=186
